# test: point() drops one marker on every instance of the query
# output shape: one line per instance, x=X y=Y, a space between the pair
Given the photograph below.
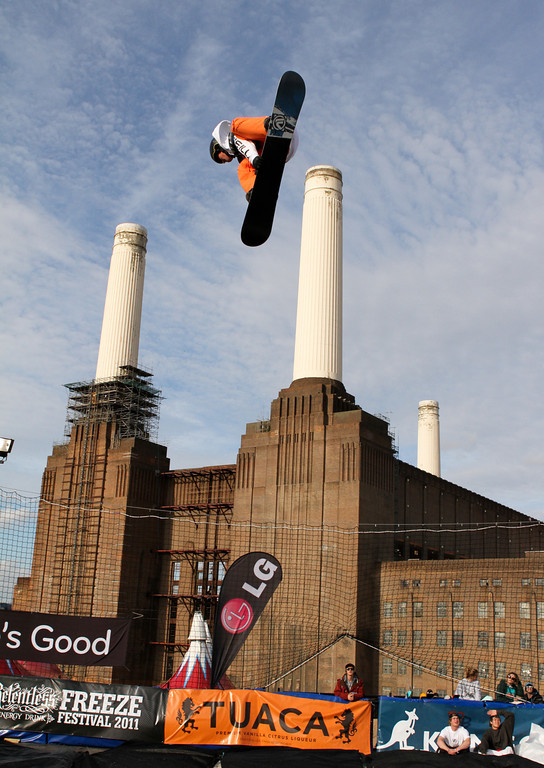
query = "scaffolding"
x=129 y=400
x=196 y=558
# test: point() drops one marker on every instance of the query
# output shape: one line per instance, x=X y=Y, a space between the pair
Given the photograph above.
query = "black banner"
x=247 y=587
x=126 y=712
x=56 y=639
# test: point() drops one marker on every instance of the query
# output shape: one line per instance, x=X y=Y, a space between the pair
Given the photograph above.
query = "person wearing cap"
x=243 y=139
x=531 y=695
x=453 y=739
x=498 y=739
x=349 y=687
x=469 y=686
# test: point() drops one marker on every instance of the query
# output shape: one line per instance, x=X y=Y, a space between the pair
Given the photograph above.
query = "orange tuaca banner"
x=258 y=719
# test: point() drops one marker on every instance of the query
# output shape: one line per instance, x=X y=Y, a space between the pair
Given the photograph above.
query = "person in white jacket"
x=469 y=686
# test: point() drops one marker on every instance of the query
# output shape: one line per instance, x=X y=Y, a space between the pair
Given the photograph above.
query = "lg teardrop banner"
x=247 y=587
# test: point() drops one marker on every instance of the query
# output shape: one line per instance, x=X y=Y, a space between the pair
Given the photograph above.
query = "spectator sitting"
x=469 y=686
x=453 y=739
x=497 y=740
x=349 y=687
x=510 y=690
x=531 y=695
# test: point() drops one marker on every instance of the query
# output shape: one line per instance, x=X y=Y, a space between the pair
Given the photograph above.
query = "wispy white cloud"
x=433 y=112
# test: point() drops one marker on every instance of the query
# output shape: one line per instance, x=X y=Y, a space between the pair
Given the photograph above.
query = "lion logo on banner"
x=347 y=726
x=185 y=715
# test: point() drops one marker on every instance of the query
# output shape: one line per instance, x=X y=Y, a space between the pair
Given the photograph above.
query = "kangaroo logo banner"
x=258 y=719
x=57 y=639
x=407 y=724
x=247 y=587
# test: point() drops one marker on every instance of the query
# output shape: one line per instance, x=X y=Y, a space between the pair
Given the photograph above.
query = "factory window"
x=484 y=582
x=541 y=672
x=441 y=609
x=457 y=610
x=524 y=640
x=401 y=668
x=441 y=637
x=387 y=666
x=483 y=669
x=401 y=693
x=388 y=610
x=499 y=611
x=457 y=638
x=539 y=582
x=418 y=670
x=416 y=583
x=526 y=671
x=482 y=610
x=387 y=637
x=403 y=609
x=441 y=693
x=483 y=641
x=540 y=641
x=417 y=637
x=404 y=582
x=526 y=582
x=456 y=583
x=417 y=609
x=443 y=582
x=497 y=582
x=458 y=669
x=500 y=639
x=401 y=637
x=500 y=670
x=386 y=690
x=540 y=610
x=525 y=610
x=442 y=667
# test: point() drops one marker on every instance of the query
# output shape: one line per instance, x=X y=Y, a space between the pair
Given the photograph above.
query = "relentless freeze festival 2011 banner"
x=256 y=718
x=125 y=712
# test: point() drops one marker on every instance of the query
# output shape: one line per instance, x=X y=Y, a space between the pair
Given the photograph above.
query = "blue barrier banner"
x=416 y=723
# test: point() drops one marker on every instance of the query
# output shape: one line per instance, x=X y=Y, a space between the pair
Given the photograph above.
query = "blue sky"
x=432 y=110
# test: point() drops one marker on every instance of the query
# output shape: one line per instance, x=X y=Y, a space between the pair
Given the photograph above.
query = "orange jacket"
x=252 y=129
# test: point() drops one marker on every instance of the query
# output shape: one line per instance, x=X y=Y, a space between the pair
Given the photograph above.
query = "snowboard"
x=262 y=205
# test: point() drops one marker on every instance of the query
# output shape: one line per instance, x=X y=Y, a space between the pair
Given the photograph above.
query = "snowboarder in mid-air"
x=243 y=139
x=262 y=146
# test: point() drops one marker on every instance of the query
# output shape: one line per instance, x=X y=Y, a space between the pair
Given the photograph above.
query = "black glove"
x=257 y=162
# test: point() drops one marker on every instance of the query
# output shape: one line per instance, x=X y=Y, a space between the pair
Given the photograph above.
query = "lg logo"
x=237 y=614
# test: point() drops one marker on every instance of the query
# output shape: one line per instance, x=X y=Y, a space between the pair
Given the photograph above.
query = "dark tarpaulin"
x=413 y=758
x=155 y=756
x=165 y=756
x=290 y=757
x=19 y=756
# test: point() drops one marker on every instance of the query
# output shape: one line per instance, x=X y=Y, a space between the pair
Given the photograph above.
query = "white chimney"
x=120 y=337
x=428 y=437
x=318 y=342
